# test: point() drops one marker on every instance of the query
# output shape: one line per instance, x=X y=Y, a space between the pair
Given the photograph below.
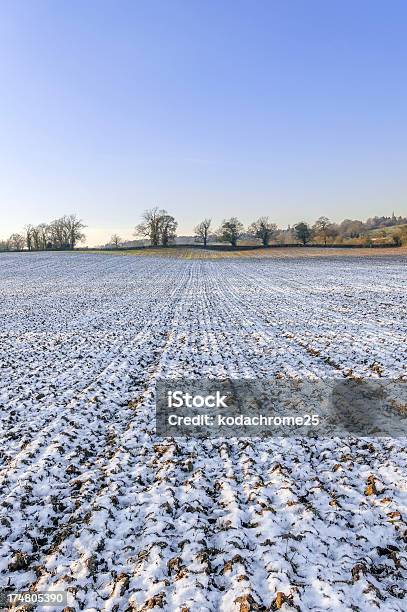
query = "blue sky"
x=292 y=109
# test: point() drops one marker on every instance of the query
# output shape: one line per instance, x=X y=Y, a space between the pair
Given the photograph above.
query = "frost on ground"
x=93 y=503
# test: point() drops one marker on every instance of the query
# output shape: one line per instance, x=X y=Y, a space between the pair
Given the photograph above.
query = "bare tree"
x=16 y=242
x=36 y=242
x=168 y=228
x=323 y=227
x=352 y=228
x=58 y=234
x=29 y=236
x=73 y=227
x=150 y=226
x=231 y=230
x=158 y=226
x=40 y=237
x=264 y=229
x=116 y=240
x=333 y=231
x=202 y=231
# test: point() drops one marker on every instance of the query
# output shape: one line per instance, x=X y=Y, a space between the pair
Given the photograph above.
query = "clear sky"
x=291 y=108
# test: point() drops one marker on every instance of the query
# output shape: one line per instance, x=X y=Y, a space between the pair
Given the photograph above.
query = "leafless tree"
x=35 y=237
x=43 y=235
x=150 y=226
x=116 y=240
x=264 y=229
x=202 y=231
x=29 y=236
x=73 y=227
x=16 y=242
x=352 y=228
x=231 y=230
x=323 y=227
x=58 y=234
x=158 y=226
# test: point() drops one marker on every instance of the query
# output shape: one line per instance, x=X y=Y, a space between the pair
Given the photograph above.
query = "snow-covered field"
x=93 y=503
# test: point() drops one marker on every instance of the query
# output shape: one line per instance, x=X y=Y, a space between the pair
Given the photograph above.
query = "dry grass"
x=280 y=253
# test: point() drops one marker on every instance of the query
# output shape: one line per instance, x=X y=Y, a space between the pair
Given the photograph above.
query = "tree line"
x=160 y=229
x=323 y=230
x=61 y=234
